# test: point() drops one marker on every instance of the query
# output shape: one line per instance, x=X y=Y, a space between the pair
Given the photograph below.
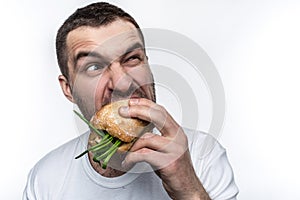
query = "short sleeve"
x=218 y=177
x=29 y=193
x=213 y=168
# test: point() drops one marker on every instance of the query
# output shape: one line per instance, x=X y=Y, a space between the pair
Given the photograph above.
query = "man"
x=101 y=54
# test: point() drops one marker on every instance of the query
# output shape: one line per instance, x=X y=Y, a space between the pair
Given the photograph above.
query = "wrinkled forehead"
x=118 y=45
x=110 y=41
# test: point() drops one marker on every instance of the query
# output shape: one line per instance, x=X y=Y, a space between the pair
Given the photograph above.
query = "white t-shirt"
x=59 y=176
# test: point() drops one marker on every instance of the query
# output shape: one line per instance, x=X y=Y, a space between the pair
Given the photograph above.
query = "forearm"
x=201 y=194
x=193 y=191
x=167 y=153
x=181 y=181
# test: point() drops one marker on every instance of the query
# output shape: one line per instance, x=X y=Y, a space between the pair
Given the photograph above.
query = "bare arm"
x=167 y=153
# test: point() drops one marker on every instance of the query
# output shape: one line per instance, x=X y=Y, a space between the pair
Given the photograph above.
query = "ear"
x=65 y=86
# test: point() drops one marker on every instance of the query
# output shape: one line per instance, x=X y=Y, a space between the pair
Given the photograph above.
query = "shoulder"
x=61 y=154
x=211 y=165
x=49 y=172
x=202 y=144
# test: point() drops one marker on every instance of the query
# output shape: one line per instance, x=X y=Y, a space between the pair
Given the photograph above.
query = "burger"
x=113 y=133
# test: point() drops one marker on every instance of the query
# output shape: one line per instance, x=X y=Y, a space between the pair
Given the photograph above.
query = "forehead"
x=109 y=40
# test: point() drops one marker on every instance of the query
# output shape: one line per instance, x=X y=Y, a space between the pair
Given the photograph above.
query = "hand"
x=168 y=154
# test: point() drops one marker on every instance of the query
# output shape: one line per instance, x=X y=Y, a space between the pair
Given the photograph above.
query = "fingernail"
x=123 y=110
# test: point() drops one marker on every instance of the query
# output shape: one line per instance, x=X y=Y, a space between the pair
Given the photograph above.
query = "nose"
x=119 y=79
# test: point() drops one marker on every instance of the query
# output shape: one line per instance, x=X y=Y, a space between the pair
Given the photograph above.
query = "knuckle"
x=145 y=101
x=144 y=151
x=160 y=107
x=147 y=135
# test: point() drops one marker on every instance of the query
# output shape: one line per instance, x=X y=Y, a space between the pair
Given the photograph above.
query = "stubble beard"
x=88 y=108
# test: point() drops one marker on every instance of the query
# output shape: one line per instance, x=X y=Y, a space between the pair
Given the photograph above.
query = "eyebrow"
x=83 y=54
x=95 y=54
x=134 y=47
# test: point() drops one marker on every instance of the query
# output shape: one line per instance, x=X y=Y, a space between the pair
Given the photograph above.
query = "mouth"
x=135 y=93
x=137 y=96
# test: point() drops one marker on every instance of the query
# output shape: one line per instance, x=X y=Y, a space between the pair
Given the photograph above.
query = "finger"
x=154 y=142
x=147 y=103
x=164 y=122
x=153 y=113
x=154 y=158
x=143 y=102
x=144 y=112
x=141 y=112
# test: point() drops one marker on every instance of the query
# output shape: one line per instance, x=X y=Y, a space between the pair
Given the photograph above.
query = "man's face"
x=106 y=64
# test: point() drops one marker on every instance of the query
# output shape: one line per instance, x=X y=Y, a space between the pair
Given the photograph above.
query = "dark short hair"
x=93 y=15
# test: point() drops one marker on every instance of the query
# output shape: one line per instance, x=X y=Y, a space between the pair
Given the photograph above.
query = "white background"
x=255 y=45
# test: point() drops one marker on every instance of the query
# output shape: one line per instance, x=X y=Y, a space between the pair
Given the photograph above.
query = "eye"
x=133 y=60
x=94 y=67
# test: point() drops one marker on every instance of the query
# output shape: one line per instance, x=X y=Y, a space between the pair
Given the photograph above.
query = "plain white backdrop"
x=255 y=45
